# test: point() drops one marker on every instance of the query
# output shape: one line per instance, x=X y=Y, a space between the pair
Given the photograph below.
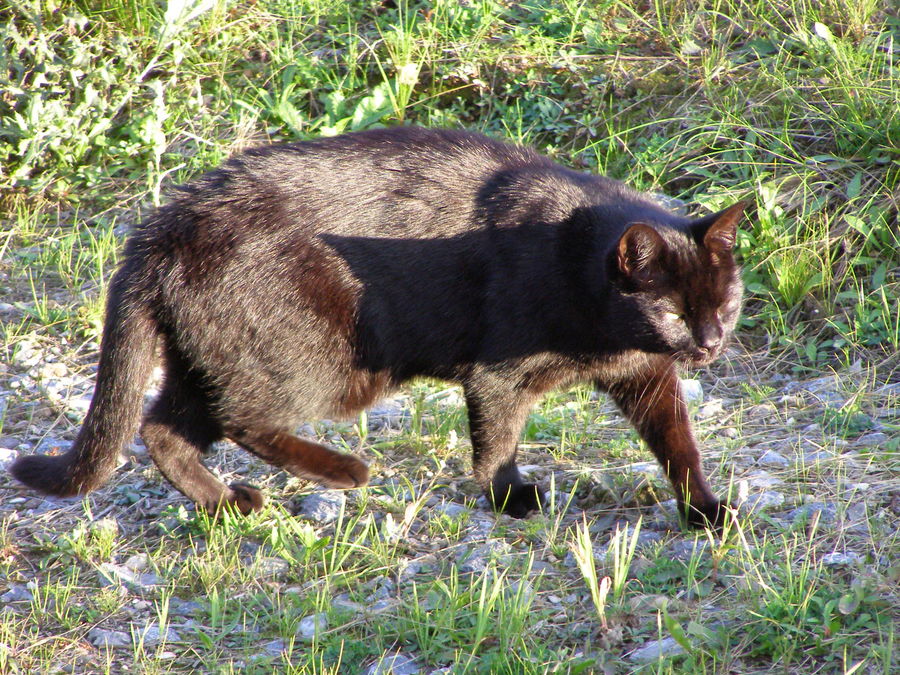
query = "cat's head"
x=684 y=283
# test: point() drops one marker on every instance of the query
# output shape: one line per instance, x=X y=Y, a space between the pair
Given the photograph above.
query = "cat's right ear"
x=639 y=251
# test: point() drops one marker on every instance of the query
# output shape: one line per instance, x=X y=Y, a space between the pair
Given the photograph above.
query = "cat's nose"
x=709 y=339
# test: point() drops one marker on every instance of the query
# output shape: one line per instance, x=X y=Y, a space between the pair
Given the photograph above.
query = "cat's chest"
x=544 y=372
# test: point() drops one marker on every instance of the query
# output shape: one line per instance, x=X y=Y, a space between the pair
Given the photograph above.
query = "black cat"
x=310 y=279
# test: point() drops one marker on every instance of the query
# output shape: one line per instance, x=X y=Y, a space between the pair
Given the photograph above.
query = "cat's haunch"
x=310 y=279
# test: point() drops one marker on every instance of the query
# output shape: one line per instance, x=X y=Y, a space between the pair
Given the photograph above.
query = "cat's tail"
x=126 y=361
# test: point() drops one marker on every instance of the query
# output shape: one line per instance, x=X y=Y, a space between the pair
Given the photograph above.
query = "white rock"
x=653 y=651
x=311 y=625
x=152 y=635
x=112 y=574
x=100 y=637
x=774 y=459
x=764 y=501
x=16 y=593
x=323 y=507
x=7 y=457
x=395 y=664
x=840 y=559
x=692 y=391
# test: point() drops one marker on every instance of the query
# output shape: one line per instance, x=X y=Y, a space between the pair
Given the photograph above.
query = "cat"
x=310 y=279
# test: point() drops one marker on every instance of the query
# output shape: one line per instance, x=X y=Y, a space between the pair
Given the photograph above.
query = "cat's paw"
x=245 y=498
x=345 y=472
x=711 y=516
x=518 y=501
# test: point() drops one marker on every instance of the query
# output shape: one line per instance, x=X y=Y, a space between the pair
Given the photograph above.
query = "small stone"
x=112 y=574
x=763 y=480
x=477 y=559
x=685 y=549
x=764 y=501
x=395 y=664
x=450 y=509
x=343 y=603
x=692 y=391
x=650 y=469
x=184 y=607
x=311 y=625
x=53 y=446
x=16 y=593
x=151 y=636
x=773 y=459
x=653 y=651
x=407 y=570
x=273 y=567
x=874 y=440
x=762 y=410
x=815 y=456
x=323 y=507
x=137 y=562
x=841 y=559
x=7 y=457
x=827 y=512
x=713 y=408
x=110 y=639
x=274 y=647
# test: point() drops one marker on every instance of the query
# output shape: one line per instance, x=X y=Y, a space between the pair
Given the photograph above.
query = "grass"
x=794 y=105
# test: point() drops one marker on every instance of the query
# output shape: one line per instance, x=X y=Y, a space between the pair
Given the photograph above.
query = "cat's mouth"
x=697 y=358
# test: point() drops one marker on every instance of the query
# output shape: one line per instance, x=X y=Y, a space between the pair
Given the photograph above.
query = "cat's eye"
x=673 y=316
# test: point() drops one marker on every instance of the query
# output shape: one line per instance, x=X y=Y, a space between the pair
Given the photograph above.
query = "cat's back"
x=403 y=181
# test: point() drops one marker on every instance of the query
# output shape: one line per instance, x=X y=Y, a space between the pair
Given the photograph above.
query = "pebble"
x=873 y=440
x=395 y=664
x=763 y=501
x=151 y=636
x=323 y=507
x=653 y=651
x=100 y=637
x=137 y=562
x=111 y=574
x=53 y=446
x=311 y=625
x=828 y=512
x=763 y=479
x=16 y=593
x=273 y=568
x=275 y=647
x=343 y=603
x=773 y=459
x=450 y=509
x=478 y=559
x=7 y=457
x=692 y=391
x=841 y=559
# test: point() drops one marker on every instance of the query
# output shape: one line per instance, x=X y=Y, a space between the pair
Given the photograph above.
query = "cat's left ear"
x=718 y=232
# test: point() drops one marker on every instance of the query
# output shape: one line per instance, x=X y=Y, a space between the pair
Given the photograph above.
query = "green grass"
x=793 y=105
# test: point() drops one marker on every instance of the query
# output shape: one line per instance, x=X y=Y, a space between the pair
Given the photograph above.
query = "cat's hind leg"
x=177 y=430
x=303 y=458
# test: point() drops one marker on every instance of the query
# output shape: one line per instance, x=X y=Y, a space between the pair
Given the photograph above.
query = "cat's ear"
x=639 y=250
x=718 y=232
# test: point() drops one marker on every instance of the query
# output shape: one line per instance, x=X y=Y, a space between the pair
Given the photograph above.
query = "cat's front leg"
x=652 y=400
x=496 y=417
